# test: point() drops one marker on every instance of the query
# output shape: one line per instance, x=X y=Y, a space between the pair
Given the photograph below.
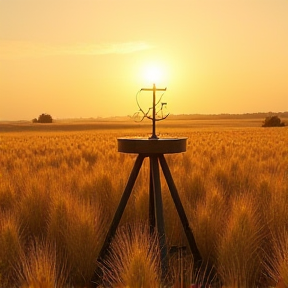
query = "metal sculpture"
x=157 y=115
x=153 y=148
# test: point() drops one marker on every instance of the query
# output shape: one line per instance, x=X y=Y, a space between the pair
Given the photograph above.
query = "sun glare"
x=153 y=73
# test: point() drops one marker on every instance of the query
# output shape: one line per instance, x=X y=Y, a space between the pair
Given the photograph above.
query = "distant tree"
x=273 y=121
x=44 y=118
x=34 y=120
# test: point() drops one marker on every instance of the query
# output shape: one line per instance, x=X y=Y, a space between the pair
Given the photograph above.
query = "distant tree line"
x=259 y=115
x=43 y=118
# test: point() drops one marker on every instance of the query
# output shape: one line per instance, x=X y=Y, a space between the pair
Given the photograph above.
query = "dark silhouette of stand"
x=154 y=149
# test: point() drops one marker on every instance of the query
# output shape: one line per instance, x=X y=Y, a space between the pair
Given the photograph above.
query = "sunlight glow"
x=153 y=73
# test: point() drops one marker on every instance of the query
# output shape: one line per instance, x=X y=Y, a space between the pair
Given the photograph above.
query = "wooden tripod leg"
x=159 y=214
x=152 y=221
x=181 y=212
x=118 y=214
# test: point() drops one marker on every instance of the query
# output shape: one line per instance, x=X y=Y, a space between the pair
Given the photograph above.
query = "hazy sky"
x=85 y=58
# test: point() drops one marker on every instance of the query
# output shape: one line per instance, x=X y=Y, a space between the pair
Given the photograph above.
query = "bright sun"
x=153 y=73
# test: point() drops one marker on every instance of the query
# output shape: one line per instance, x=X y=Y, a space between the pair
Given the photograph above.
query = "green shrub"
x=43 y=118
x=273 y=121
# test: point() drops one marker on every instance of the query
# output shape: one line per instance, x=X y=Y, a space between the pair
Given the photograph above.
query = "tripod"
x=154 y=149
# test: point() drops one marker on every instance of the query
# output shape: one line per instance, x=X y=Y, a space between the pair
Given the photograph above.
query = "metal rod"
x=119 y=212
x=181 y=212
x=159 y=214
x=154 y=114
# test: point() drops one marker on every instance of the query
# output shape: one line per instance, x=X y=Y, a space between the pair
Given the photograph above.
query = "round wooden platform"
x=152 y=146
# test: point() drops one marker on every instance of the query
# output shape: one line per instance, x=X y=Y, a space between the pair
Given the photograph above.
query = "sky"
x=87 y=58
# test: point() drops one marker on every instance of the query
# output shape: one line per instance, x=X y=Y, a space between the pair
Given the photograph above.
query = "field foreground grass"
x=59 y=188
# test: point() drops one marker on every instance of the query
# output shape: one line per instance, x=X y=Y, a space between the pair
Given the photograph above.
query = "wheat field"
x=60 y=187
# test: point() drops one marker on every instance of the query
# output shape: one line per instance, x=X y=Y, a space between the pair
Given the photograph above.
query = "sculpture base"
x=152 y=146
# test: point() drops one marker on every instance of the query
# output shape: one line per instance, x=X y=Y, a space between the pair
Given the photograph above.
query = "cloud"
x=118 y=48
x=25 y=49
